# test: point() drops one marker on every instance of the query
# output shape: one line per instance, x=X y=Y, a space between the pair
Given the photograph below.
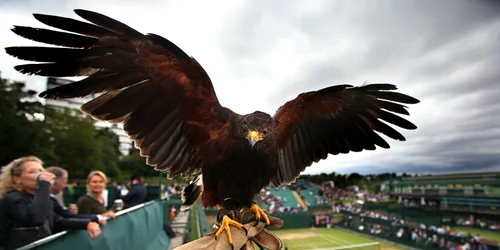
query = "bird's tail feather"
x=191 y=193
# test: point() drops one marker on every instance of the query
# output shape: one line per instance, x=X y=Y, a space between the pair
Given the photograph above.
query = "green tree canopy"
x=60 y=137
x=74 y=141
x=19 y=128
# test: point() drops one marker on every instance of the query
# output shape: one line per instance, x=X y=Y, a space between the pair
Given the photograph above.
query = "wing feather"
x=163 y=96
x=394 y=107
x=336 y=120
x=155 y=132
x=75 y=26
x=54 y=37
x=299 y=146
x=164 y=151
x=396 y=120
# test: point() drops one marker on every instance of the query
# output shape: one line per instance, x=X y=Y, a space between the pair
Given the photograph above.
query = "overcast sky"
x=260 y=54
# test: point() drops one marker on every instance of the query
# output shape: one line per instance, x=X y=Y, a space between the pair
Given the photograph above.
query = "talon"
x=259 y=219
x=259 y=214
x=224 y=225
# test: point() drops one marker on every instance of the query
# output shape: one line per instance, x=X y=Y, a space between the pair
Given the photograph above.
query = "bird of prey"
x=169 y=108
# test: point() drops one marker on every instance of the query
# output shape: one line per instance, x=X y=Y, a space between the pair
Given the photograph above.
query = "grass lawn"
x=325 y=238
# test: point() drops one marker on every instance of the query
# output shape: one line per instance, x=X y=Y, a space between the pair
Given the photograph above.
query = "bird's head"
x=255 y=127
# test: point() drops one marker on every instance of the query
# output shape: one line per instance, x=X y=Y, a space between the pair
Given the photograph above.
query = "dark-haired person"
x=137 y=193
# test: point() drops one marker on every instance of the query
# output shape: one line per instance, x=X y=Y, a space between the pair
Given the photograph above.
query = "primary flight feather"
x=170 y=109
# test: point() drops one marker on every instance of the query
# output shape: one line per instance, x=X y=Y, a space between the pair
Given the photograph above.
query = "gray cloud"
x=445 y=53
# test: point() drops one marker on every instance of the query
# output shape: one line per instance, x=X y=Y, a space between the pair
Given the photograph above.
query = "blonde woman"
x=27 y=208
x=93 y=201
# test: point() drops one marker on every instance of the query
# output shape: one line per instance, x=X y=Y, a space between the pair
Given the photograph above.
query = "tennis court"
x=324 y=239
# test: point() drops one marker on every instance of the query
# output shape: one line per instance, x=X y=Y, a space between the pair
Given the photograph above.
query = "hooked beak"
x=253 y=137
x=252 y=141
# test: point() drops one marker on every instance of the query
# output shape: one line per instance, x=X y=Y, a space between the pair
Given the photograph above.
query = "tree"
x=109 y=144
x=361 y=184
x=135 y=163
x=74 y=140
x=354 y=177
x=19 y=127
x=60 y=137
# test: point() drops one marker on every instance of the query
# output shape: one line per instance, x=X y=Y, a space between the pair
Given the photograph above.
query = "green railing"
x=181 y=227
x=191 y=225
x=203 y=227
x=138 y=227
x=294 y=220
x=197 y=223
x=167 y=205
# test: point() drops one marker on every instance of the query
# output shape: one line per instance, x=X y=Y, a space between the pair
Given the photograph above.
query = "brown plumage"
x=169 y=108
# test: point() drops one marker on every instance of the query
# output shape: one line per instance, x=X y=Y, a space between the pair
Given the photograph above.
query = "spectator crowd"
x=33 y=207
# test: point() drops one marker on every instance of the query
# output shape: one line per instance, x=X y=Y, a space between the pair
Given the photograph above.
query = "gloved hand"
x=256 y=233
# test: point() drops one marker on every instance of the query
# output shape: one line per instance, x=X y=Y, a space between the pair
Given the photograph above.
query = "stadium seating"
x=309 y=195
x=291 y=201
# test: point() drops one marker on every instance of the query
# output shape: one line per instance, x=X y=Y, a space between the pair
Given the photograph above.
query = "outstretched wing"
x=335 y=120
x=163 y=96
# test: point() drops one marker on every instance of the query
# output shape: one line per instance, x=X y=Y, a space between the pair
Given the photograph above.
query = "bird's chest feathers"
x=244 y=155
x=236 y=154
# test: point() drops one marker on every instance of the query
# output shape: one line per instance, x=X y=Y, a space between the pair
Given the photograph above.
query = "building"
x=76 y=103
x=464 y=192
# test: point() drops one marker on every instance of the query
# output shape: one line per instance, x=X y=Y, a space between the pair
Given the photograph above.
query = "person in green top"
x=93 y=201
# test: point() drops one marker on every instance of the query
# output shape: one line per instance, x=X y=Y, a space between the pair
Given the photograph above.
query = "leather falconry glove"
x=255 y=233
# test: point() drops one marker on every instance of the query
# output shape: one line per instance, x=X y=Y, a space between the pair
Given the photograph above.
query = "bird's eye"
x=264 y=132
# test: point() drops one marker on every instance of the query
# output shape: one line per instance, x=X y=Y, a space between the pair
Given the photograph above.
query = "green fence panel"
x=389 y=233
x=153 y=192
x=189 y=225
x=295 y=220
x=159 y=242
x=408 y=213
x=203 y=227
x=71 y=195
x=388 y=237
x=113 y=194
x=167 y=205
x=139 y=229
x=319 y=207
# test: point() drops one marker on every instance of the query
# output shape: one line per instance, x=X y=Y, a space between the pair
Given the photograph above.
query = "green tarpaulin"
x=139 y=229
